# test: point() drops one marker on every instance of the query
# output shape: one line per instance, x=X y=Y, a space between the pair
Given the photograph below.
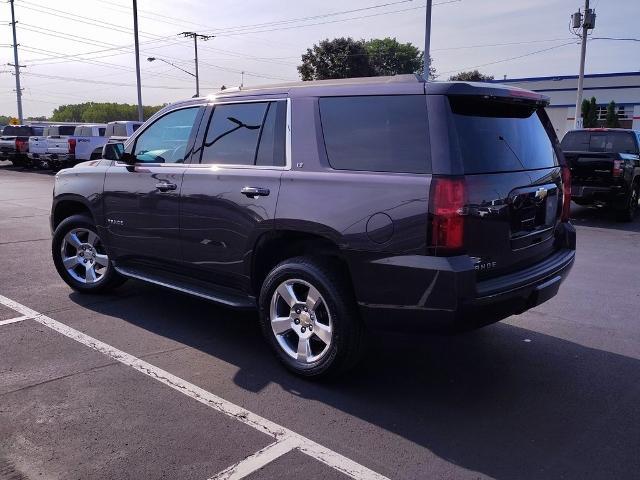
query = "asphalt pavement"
x=147 y=383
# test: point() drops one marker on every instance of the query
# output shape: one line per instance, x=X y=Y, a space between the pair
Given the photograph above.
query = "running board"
x=235 y=300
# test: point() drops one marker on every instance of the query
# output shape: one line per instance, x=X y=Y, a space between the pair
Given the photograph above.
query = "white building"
x=623 y=88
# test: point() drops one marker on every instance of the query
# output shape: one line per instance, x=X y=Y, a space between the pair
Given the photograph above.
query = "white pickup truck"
x=121 y=130
x=39 y=144
x=84 y=144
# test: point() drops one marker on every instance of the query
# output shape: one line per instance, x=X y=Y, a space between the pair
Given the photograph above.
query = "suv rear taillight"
x=617 y=168
x=566 y=194
x=22 y=145
x=446 y=233
x=72 y=145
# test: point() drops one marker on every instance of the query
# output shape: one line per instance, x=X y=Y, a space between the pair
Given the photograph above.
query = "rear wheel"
x=80 y=256
x=308 y=316
x=628 y=213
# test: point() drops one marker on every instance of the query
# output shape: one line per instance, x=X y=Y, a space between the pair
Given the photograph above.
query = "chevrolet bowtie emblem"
x=541 y=194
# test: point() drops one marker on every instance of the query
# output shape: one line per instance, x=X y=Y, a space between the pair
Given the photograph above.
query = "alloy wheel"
x=83 y=256
x=300 y=321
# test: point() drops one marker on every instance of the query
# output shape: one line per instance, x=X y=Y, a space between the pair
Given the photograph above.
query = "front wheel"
x=308 y=316
x=80 y=256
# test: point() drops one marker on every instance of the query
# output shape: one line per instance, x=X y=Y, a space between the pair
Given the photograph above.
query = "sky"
x=82 y=50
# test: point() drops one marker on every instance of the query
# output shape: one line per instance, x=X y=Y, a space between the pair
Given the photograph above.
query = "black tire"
x=346 y=345
x=628 y=212
x=108 y=280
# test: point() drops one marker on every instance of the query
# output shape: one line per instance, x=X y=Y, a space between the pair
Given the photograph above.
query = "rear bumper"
x=454 y=301
x=597 y=193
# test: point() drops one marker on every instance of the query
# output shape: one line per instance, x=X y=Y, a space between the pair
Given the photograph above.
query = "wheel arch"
x=274 y=247
x=68 y=205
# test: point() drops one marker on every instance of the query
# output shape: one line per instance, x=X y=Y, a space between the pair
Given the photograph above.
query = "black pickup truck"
x=605 y=168
x=14 y=143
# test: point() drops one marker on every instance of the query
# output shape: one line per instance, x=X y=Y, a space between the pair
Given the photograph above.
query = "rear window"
x=498 y=136
x=37 y=131
x=17 y=131
x=66 y=130
x=376 y=133
x=117 y=130
x=586 y=141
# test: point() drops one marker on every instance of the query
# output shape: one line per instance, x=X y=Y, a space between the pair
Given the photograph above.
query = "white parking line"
x=258 y=460
x=14 y=320
x=286 y=440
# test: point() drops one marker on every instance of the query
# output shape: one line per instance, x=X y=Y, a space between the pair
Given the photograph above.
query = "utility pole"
x=427 y=41
x=16 y=63
x=137 y=48
x=195 y=36
x=586 y=23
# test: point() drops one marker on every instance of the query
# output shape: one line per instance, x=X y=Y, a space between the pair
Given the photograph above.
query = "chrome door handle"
x=165 y=186
x=253 y=192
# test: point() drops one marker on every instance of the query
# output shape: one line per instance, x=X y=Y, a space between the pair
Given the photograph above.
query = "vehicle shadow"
x=602 y=217
x=488 y=400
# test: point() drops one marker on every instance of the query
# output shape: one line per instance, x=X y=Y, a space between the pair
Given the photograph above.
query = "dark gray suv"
x=332 y=207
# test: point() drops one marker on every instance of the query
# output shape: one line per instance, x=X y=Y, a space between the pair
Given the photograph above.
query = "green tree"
x=471 y=76
x=93 y=112
x=389 y=57
x=337 y=58
x=4 y=120
x=589 y=110
x=612 y=116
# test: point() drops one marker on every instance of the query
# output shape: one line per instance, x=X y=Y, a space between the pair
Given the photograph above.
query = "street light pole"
x=16 y=64
x=427 y=41
x=137 y=49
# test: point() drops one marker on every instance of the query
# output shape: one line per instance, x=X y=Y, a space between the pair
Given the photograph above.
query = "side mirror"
x=113 y=151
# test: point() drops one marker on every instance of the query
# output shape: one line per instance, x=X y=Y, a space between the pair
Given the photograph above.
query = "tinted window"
x=37 y=130
x=588 y=141
x=17 y=131
x=165 y=141
x=246 y=134
x=101 y=131
x=500 y=136
x=66 y=130
x=382 y=133
x=272 y=138
x=136 y=126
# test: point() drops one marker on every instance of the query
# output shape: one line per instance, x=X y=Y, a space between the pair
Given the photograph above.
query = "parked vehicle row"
x=60 y=146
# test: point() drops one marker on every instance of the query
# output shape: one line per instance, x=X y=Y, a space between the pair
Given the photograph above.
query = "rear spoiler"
x=486 y=90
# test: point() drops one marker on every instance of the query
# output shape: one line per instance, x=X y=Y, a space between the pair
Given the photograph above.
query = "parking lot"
x=149 y=383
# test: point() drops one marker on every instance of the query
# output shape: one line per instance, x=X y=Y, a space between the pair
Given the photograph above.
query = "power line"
x=231 y=34
x=102 y=82
x=301 y=19
x=508 y=59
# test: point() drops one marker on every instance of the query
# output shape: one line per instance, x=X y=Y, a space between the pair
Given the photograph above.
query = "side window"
x=376 y=133
x=101 y=131
x=136 y=126
x=165 y=141
x=246 y=134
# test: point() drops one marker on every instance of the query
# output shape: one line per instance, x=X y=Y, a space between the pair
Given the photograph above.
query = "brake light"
x=447 y=221
x=617 y=168
x=72 y=145
x=566 y=194
x=21 y=145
